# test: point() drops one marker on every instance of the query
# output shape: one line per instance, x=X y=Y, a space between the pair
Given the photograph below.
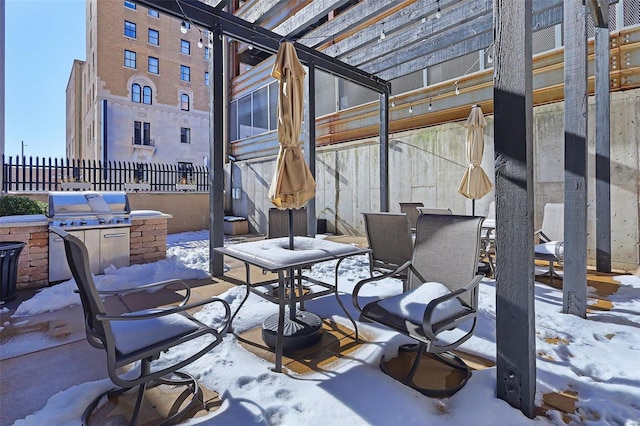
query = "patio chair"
x=389 y=238
x=279 y=223
x=411 y=210
x=433 y=210
x=442 y=296
x=551 y=238
x=137 y=339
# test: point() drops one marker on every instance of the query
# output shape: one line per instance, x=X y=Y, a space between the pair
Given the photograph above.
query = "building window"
x=185 y=47
x=154 y=65
x=154 y=37
x=154 y=13
x=146 y=133
x=129 y=29
x=185 y=172
x=129 y=59
x=146 y=95
x=185 y=73
x=207 y=52
x=184 y=102
x=129 y=4
x=137 y=133
x=185 y=135
x=135 y=93
x=206 y=78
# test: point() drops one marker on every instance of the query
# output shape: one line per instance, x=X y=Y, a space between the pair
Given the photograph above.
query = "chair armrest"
x=429 y=310
x=362 y=283
x=159 y=284
x=159 y=312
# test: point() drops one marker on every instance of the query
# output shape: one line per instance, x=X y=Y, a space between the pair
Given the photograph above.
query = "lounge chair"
x=137 y=339
x=551 y=238
x=442 y=295
x=389 y=238
x=411 y=210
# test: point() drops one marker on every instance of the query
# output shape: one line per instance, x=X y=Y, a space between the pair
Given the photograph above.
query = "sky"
x=596 y=356
x=42 y=38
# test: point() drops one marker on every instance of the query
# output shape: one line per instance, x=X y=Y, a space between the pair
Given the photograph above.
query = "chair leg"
x=184 y=380
x=447 y=358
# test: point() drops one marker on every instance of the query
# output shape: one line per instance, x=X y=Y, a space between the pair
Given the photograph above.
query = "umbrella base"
x=302 y=331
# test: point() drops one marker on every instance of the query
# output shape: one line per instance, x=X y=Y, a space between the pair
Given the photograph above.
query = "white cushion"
x=131 y=336
x=411 y=304
x=554 y=248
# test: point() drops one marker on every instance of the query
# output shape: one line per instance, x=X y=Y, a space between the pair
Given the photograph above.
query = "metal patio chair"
x=442 y=295
x=551 y=237
x=137 y=339
x=411 y=210
x=389 y=238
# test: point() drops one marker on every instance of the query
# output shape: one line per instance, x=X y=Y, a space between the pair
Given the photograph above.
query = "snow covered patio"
x=49 y=373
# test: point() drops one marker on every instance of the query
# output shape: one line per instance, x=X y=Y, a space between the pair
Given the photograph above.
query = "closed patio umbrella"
x=475 y=183
x=291 y=188
x=292 y=185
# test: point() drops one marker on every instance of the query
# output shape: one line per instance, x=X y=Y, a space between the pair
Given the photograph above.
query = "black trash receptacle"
x=9 y=254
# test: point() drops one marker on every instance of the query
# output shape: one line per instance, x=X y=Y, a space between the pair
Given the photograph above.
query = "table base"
x=302 y=331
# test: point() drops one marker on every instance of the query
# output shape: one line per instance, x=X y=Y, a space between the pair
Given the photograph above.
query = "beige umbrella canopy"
x=475 y=183
x=292 y=185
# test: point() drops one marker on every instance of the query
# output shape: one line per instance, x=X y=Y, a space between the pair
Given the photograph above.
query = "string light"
x=457 y=88
x=430 y=106
x=410 y=108
x=200 y=43
x=393 y=103
x=438 y=13
x=382 y=34
x=183 y=27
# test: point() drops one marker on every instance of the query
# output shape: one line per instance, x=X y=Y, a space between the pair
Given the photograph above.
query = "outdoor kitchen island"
x=274 y=255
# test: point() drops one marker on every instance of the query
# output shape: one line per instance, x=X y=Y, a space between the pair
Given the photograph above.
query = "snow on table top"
x=274 y=253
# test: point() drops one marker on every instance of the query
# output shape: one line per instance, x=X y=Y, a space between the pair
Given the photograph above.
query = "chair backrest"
x=553 y=221
x=491 y=214
x=279 y=223
x=446 y=250
x=411 y=210
x=434 y=210
x=389 y=237
x=78 y=260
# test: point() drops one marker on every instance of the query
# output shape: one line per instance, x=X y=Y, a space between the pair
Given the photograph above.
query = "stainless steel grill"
x=100 y=219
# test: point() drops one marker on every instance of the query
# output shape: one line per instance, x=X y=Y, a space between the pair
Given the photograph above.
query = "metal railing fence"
x=56 y=174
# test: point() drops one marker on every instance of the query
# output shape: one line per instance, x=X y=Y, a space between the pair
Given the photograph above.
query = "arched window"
x=146 y=95
x=184 y=102
x=135 y=93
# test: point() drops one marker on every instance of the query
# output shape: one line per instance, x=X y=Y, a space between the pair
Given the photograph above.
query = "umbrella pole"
x=292 y=276
x=473 y=207
x=290 y=229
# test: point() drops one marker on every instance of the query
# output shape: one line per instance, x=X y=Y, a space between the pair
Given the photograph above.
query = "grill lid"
x=103 y=205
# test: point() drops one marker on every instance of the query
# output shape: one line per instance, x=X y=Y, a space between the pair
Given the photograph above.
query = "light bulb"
x=410 y=109
x=382 y=35
x=183 y=28
x=393 y=103
x=250 y=47
x=200 y=44
x=490 y=58
x=438 y=13
x=430 y=106
x=457 y=90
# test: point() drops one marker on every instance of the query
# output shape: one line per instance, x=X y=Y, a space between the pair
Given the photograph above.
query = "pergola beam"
x=513 y=137
x=574 y=284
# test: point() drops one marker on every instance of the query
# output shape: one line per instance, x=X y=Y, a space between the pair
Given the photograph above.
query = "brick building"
x=141 y=93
